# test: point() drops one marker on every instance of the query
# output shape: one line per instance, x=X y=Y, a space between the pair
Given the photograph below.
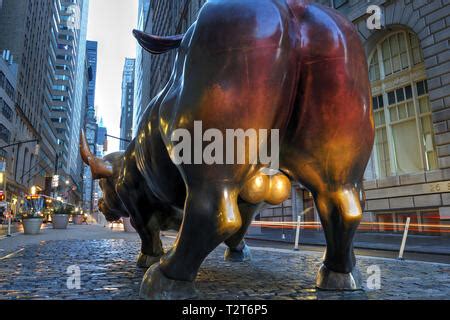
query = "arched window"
x=404 y=141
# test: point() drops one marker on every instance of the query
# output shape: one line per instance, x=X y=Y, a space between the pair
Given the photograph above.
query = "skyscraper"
x=67 y=93
x=8 y=118
x=81 y=80
x=91 y=55
x=47 y=39
x=29 y=30
x=161 y=18
x=126 y=119
x=90 y=126
x=142 y=65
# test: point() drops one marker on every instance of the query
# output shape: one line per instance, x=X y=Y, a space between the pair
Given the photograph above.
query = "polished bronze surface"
x=256 y=189
x=289 y=65
x=279 y=189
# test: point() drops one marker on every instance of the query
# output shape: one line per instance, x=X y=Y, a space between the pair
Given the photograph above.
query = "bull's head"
x=103 y=169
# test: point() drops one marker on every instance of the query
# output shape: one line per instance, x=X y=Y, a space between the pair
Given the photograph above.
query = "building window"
x=339 y=3
x=404 y=138
x=6 y=110
x=5 y=134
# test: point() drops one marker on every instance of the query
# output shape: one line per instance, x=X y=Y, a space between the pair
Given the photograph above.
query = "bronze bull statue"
x=289 y=65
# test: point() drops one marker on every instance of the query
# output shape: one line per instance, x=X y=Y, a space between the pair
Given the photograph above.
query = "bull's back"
x=240 y=72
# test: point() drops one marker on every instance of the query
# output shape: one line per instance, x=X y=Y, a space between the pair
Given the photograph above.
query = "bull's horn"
x=155 y=44
x=99 y=168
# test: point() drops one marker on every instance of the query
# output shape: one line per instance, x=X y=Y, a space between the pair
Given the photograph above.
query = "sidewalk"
x=39 y=267
x=391 y=242
x=73 y=232
x=380 y=241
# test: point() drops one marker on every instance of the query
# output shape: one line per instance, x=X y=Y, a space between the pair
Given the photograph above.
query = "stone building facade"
x=49 y=97
x=409 y=65
x=23 y=28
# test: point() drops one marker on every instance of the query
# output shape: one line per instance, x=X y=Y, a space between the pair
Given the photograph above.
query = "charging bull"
x=286 y=65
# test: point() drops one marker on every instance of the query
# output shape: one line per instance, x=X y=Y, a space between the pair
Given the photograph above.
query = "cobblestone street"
x=37 y=269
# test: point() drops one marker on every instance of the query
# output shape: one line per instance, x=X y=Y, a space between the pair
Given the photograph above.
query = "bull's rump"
x=332 y=127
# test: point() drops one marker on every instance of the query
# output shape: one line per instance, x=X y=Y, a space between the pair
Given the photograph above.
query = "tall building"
x=8 y=118
x=142 y=67
x=91 y=54
x=29 y=30
x=409 y=66
x=101 y=148
x=153 y=71
x=90 y=127
x=80 y=101
x=126 y=118
x=102 y=139
x=67 y=92
x=47 y=40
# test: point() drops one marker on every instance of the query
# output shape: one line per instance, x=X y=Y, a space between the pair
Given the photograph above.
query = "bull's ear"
x=155 y=44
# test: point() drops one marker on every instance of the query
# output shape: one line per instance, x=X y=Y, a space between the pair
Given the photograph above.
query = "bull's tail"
x=156 y=44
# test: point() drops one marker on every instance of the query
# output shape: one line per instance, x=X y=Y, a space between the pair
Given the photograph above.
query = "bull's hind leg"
x=237 y=250
x=340 y=212
x=330 y=137
x=211 y=217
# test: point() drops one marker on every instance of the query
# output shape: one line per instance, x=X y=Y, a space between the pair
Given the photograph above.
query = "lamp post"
x=3 y=202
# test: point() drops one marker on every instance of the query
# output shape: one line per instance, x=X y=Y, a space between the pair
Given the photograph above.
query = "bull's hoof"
x=238 y=255
x=145 y=261
x=331 y=280
x=156 y=286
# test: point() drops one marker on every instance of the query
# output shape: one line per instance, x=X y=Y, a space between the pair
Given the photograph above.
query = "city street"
x=36 y=267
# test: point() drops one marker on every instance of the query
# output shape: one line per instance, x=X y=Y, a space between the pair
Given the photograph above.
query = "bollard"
x=297 y=233
x=9 y=226
x=405 y=235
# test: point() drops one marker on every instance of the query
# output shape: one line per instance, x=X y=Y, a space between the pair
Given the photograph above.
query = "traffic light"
x=2 y=196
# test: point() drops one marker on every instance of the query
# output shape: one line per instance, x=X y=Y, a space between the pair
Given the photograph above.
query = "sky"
x=111 y=23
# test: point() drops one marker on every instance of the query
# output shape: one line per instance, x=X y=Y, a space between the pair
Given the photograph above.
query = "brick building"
x=409 y=66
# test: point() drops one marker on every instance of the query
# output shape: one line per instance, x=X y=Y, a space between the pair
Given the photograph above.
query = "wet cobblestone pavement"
x=108 y=271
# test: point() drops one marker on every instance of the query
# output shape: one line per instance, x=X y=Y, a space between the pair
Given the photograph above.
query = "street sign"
x=55 y=181
x=2 y=166
x=37 y=148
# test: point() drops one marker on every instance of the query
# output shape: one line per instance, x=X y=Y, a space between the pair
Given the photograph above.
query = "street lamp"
x=33 y=190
